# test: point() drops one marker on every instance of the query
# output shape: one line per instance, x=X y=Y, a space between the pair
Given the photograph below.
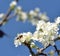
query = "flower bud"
x=13 y=4
x=1 y=15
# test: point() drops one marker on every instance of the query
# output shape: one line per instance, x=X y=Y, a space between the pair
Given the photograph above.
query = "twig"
x=41 y=54
x=56 y=49
x=30 y=49
x=11 y=16
x=46 y=47
x=5 y=18
x=57 y=39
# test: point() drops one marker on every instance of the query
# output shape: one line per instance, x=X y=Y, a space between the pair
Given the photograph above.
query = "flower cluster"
x=13 y=4
x=45 y=33
x=57 y=20
x=21 y=38
x=22 y=16
x=33 y=16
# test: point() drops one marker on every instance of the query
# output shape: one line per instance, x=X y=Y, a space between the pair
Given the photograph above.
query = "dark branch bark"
x=30 y=49
x=41 y=54
x=5 y=18
x=46 y=47
x=56 y=49
x=57 y=39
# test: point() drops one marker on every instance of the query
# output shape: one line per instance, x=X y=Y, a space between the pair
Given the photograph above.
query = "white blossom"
x=35 y=35
x=32 y=13
x=22 y=16
x=32 y=45
x=46 y=32
x=33 y=17
x=22 y=37
x=18 y=9
x=30 y=55
x=13 y=4
x=43 y=16
x=40 y=25
x=57 y=20
x=17 y=42
x=1 y=15
x=37 y=10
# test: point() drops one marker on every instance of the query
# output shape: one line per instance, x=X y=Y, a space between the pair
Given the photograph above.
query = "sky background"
x=7 y=48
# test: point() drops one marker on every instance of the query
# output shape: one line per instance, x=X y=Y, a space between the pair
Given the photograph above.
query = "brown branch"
x=41 y=54
x=5 y=18
x=57 y=39
x=48 y=46
x=56 y=49
x=11 y=16
x=41 y=51
x=30 y=49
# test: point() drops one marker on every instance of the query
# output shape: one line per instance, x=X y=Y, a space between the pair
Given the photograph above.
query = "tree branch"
x=48 y=46
x=41 y=51
x=5 y=18
x=57 y=39
x=30 y=49
x=56 y=49
x=41 y=54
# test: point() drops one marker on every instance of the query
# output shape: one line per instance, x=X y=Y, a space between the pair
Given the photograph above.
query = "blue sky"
x=7 y=48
